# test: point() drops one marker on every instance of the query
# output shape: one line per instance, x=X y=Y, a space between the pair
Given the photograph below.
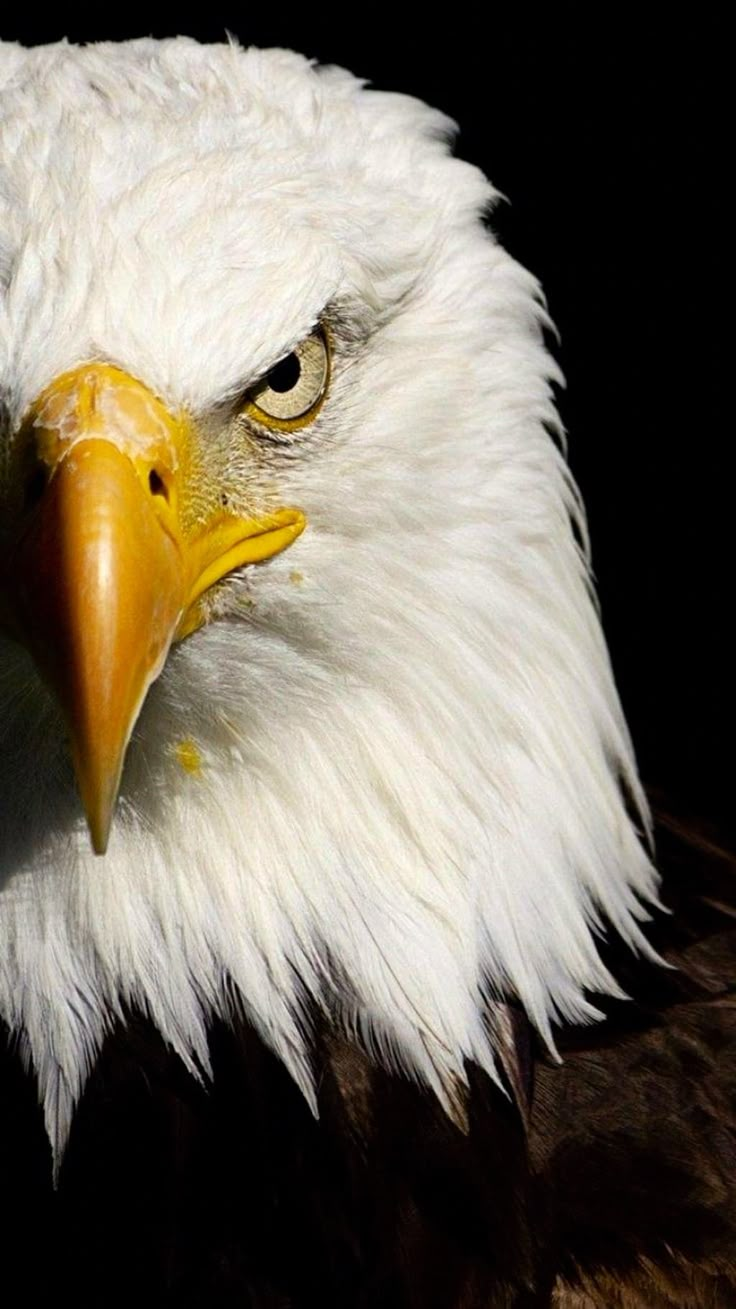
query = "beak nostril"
x=157 y=485
x=35 y=486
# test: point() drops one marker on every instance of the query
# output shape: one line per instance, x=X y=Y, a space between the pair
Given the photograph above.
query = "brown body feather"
x=608 y=1180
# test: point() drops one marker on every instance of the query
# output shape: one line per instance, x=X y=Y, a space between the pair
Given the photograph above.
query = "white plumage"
x=412 y=749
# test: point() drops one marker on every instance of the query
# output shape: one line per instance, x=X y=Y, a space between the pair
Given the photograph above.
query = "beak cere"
x=103 y=574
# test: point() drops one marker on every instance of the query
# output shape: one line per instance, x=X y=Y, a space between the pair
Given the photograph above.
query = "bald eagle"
x=329 y=901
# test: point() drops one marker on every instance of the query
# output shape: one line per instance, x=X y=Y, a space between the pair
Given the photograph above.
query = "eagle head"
x=303 y=692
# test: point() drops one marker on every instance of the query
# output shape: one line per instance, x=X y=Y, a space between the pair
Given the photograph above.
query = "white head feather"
x=412 y=746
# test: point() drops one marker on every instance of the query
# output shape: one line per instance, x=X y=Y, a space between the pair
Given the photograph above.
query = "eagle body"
x=331 y=930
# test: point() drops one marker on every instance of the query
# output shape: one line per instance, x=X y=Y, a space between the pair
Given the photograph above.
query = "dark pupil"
x=284 y=376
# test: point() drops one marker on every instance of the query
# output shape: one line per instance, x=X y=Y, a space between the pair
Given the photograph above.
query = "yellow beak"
x=103 y=574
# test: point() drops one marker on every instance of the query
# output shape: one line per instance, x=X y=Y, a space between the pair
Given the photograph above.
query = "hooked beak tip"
x=99 y=794
x=99 y=830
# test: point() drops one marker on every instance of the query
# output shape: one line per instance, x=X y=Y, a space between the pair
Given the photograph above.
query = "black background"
x=607 y=141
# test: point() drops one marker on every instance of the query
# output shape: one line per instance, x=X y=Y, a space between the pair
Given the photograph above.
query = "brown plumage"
x=617 y=1190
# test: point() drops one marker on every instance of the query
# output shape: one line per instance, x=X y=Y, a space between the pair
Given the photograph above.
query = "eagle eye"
x=291 y=393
